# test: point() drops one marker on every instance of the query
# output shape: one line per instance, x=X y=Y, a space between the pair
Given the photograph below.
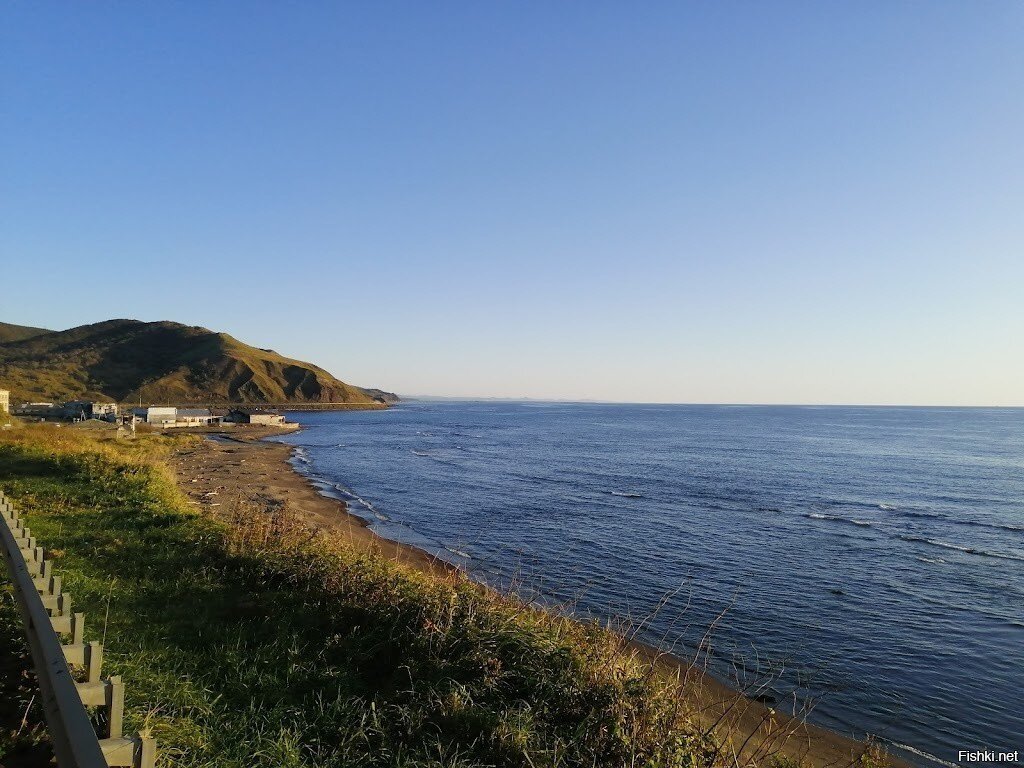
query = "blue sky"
x=682 y=202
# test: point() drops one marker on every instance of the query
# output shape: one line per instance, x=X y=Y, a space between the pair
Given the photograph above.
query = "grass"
x=249 y=641
x=10 y=332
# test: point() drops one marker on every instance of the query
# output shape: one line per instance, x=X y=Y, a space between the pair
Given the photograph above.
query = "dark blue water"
x=869 y=558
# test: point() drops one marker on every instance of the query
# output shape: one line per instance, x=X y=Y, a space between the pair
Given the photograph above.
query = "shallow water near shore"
x=870 y=558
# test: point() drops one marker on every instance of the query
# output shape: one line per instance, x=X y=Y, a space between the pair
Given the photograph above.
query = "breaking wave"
x=839 y=519
x=960 y=548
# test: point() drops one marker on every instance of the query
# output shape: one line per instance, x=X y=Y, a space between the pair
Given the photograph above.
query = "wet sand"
x=244 y=466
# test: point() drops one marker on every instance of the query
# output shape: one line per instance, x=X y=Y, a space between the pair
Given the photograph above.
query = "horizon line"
x=591 y=401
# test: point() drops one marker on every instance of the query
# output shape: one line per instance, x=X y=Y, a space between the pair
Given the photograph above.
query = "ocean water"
x=871 y=559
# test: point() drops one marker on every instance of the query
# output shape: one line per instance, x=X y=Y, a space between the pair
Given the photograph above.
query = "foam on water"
x=839 y=519
x=961 y=548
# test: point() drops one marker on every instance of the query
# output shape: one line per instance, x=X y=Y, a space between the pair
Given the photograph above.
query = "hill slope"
x=9 y=332
x=164 y=362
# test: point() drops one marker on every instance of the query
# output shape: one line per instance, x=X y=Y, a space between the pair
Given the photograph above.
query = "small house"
x=167 y=416
x=39 y=410
x=87 y=409
x=254 y=416
x=5 y=401
x=104 y=411
x=161 y=415
x=195 y=417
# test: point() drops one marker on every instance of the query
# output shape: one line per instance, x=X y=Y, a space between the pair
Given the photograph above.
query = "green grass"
x=245 y=641
x=10 y=332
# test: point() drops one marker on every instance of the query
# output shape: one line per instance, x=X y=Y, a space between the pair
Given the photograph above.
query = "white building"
x=168 y=416
x=254 y=416
x=195 y=417
x=105 y=411
x=87 y=409
x=161 y=415
x=5 y=401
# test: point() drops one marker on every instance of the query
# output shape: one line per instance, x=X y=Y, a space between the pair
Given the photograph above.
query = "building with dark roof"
x=254 y=416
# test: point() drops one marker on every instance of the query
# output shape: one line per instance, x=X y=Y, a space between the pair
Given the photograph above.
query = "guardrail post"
x=42 y=581
x=77 y=627
x=146 y=754
x=115 y=707
x=93 y=661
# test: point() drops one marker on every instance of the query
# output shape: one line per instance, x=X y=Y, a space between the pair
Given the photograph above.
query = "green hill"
x=10 y=332
x=162 y=362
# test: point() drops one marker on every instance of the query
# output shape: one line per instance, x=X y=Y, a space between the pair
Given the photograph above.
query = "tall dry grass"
x=248 y=638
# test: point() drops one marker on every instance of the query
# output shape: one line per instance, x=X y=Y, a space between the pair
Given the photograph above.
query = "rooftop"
x=194 y=412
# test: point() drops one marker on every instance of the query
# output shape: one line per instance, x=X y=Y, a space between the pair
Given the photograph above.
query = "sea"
x=865 y=562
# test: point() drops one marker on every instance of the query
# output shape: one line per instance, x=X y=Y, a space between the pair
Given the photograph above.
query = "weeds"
x=248 y=639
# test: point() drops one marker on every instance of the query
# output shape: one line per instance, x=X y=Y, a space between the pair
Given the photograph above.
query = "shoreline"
x=226 y=467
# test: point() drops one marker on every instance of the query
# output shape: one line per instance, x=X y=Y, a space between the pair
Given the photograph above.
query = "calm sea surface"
x=872 y=558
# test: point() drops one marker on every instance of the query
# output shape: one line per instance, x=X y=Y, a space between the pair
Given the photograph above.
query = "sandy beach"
x=243 y=466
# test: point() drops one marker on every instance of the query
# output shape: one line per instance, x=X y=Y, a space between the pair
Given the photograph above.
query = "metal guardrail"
x=46 y=612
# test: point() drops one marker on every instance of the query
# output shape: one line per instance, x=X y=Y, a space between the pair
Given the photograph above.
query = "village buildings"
x=87 y=409
x=168 y=417
x=158 y=416
x=196 y=417
x=39 y=410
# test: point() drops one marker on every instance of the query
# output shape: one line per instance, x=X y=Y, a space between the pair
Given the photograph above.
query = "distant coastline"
x=281 y=406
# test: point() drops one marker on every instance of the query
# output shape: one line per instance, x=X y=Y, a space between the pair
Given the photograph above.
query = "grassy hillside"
x=124 y=360
x=246 y=640
x=9 y=332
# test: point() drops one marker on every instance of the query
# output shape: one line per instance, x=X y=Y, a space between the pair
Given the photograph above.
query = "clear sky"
x=809 y=202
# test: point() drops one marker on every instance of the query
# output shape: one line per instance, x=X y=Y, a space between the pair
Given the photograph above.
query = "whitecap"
x=961 y=548
x=839 y=519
